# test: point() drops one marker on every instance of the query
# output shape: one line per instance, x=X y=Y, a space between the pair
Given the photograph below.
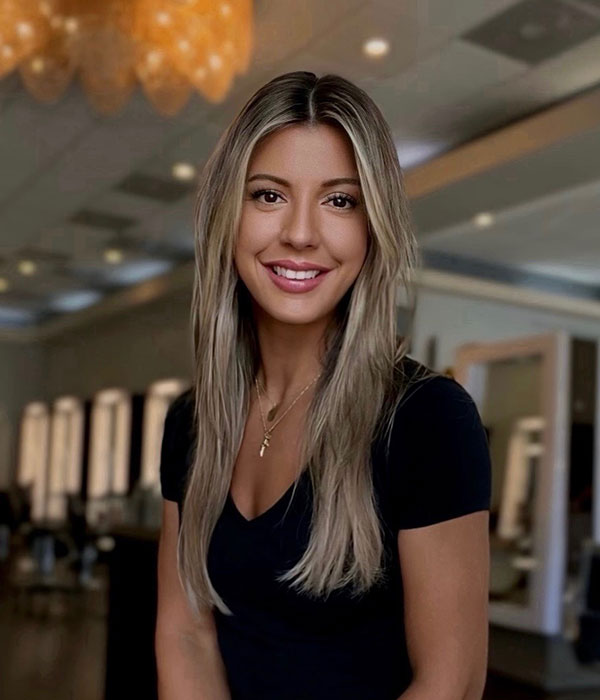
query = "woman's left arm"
x=445 y=575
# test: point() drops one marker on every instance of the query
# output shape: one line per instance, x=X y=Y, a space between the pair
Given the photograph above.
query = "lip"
x=292 y=265
x=295 y=286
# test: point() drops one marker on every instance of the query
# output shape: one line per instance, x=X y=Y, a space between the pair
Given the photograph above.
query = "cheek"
x=243 y=248
x=253 y=234
x=350 y=246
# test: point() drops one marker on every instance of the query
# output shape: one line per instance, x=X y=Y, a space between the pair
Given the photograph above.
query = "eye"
x=342 y=198
x=338 y=198
x=259 y=193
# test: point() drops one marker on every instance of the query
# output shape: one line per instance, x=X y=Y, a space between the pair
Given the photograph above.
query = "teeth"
x=295 y=274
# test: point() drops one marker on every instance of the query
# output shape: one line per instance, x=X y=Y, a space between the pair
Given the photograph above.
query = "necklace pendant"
x=264 y=445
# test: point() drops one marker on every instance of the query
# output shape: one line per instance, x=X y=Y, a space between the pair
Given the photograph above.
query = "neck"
x=291 y=356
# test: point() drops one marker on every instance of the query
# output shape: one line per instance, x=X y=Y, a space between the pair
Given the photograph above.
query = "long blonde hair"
x=360 y=385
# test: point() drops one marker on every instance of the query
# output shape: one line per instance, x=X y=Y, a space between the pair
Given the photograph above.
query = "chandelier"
x=170 y=47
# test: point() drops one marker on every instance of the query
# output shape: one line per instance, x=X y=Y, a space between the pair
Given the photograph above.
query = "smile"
x=295 y=274
x=295 y=280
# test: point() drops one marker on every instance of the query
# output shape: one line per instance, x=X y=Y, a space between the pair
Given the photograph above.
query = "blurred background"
x=108 y=111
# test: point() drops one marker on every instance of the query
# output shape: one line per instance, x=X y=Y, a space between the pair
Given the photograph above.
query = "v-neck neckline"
x=271 y=510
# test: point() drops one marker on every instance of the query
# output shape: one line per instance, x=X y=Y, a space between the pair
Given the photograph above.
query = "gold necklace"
x=273 y=410
x=268 y=431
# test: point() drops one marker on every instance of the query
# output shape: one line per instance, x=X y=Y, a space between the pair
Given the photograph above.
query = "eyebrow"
x=285 y=183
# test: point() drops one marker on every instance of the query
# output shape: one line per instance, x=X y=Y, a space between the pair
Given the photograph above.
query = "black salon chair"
x=63 y=555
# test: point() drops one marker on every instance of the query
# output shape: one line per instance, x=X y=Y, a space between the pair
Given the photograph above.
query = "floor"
x=52 y=649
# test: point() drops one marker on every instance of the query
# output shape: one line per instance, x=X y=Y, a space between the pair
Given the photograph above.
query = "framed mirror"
x=522 y=390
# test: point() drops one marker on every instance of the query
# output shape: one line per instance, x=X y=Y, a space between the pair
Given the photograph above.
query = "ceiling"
x=72 y=180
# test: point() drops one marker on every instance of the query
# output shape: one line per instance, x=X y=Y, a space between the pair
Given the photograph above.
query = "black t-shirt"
x=282 y=645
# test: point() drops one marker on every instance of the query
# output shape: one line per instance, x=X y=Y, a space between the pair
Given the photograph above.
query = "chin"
x=295 y=317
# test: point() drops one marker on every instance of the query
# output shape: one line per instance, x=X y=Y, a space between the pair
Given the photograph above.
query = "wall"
x=21 y=380
x=455 y=319
x=131 y=350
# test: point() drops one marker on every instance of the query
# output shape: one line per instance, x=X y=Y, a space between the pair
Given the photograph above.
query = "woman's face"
x=294 y=211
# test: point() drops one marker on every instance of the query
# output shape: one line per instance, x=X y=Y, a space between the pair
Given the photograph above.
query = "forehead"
x=301 y=149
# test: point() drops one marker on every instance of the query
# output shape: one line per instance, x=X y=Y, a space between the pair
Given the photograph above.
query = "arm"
x=188 y=660
x=445 y=575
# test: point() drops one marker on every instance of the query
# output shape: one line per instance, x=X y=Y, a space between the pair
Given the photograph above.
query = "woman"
x=325 y=524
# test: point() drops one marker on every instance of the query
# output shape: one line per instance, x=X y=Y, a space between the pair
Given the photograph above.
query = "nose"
x=300 y=226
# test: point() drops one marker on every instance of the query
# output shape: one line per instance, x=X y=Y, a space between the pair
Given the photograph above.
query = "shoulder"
x=177 y=445
x=425 y=405
x=181 y=409
x=435 y=412
x=438 y=460
x=179 y=421
x=428 y=395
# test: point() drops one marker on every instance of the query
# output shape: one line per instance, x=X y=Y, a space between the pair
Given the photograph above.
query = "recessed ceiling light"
x=483 y=219
x=3 y=284
x=27 y=267
x=376 y=47
x=113 y=256
x=184 y=171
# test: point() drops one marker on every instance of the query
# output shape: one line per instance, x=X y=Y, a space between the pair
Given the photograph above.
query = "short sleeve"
x=176 y=450
x=439 y=455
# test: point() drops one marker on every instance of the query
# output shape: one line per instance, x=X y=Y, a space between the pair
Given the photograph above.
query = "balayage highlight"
x=361 y=384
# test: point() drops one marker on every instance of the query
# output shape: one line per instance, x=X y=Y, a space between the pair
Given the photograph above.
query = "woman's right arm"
x=189 y=663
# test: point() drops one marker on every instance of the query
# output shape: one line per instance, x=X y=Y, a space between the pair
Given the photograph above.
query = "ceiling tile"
x=340 y=50
x=106 y=155
x=536 y=30
x=127 y=205
x=73 y=239
x=32 y=136
x=154 y=188
x=194 y=146
x=443 y=20
x=415 y=102
x=10 y=86
x=104 y=220
x=561 y=167
x=281 y=31
x=555 y=235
